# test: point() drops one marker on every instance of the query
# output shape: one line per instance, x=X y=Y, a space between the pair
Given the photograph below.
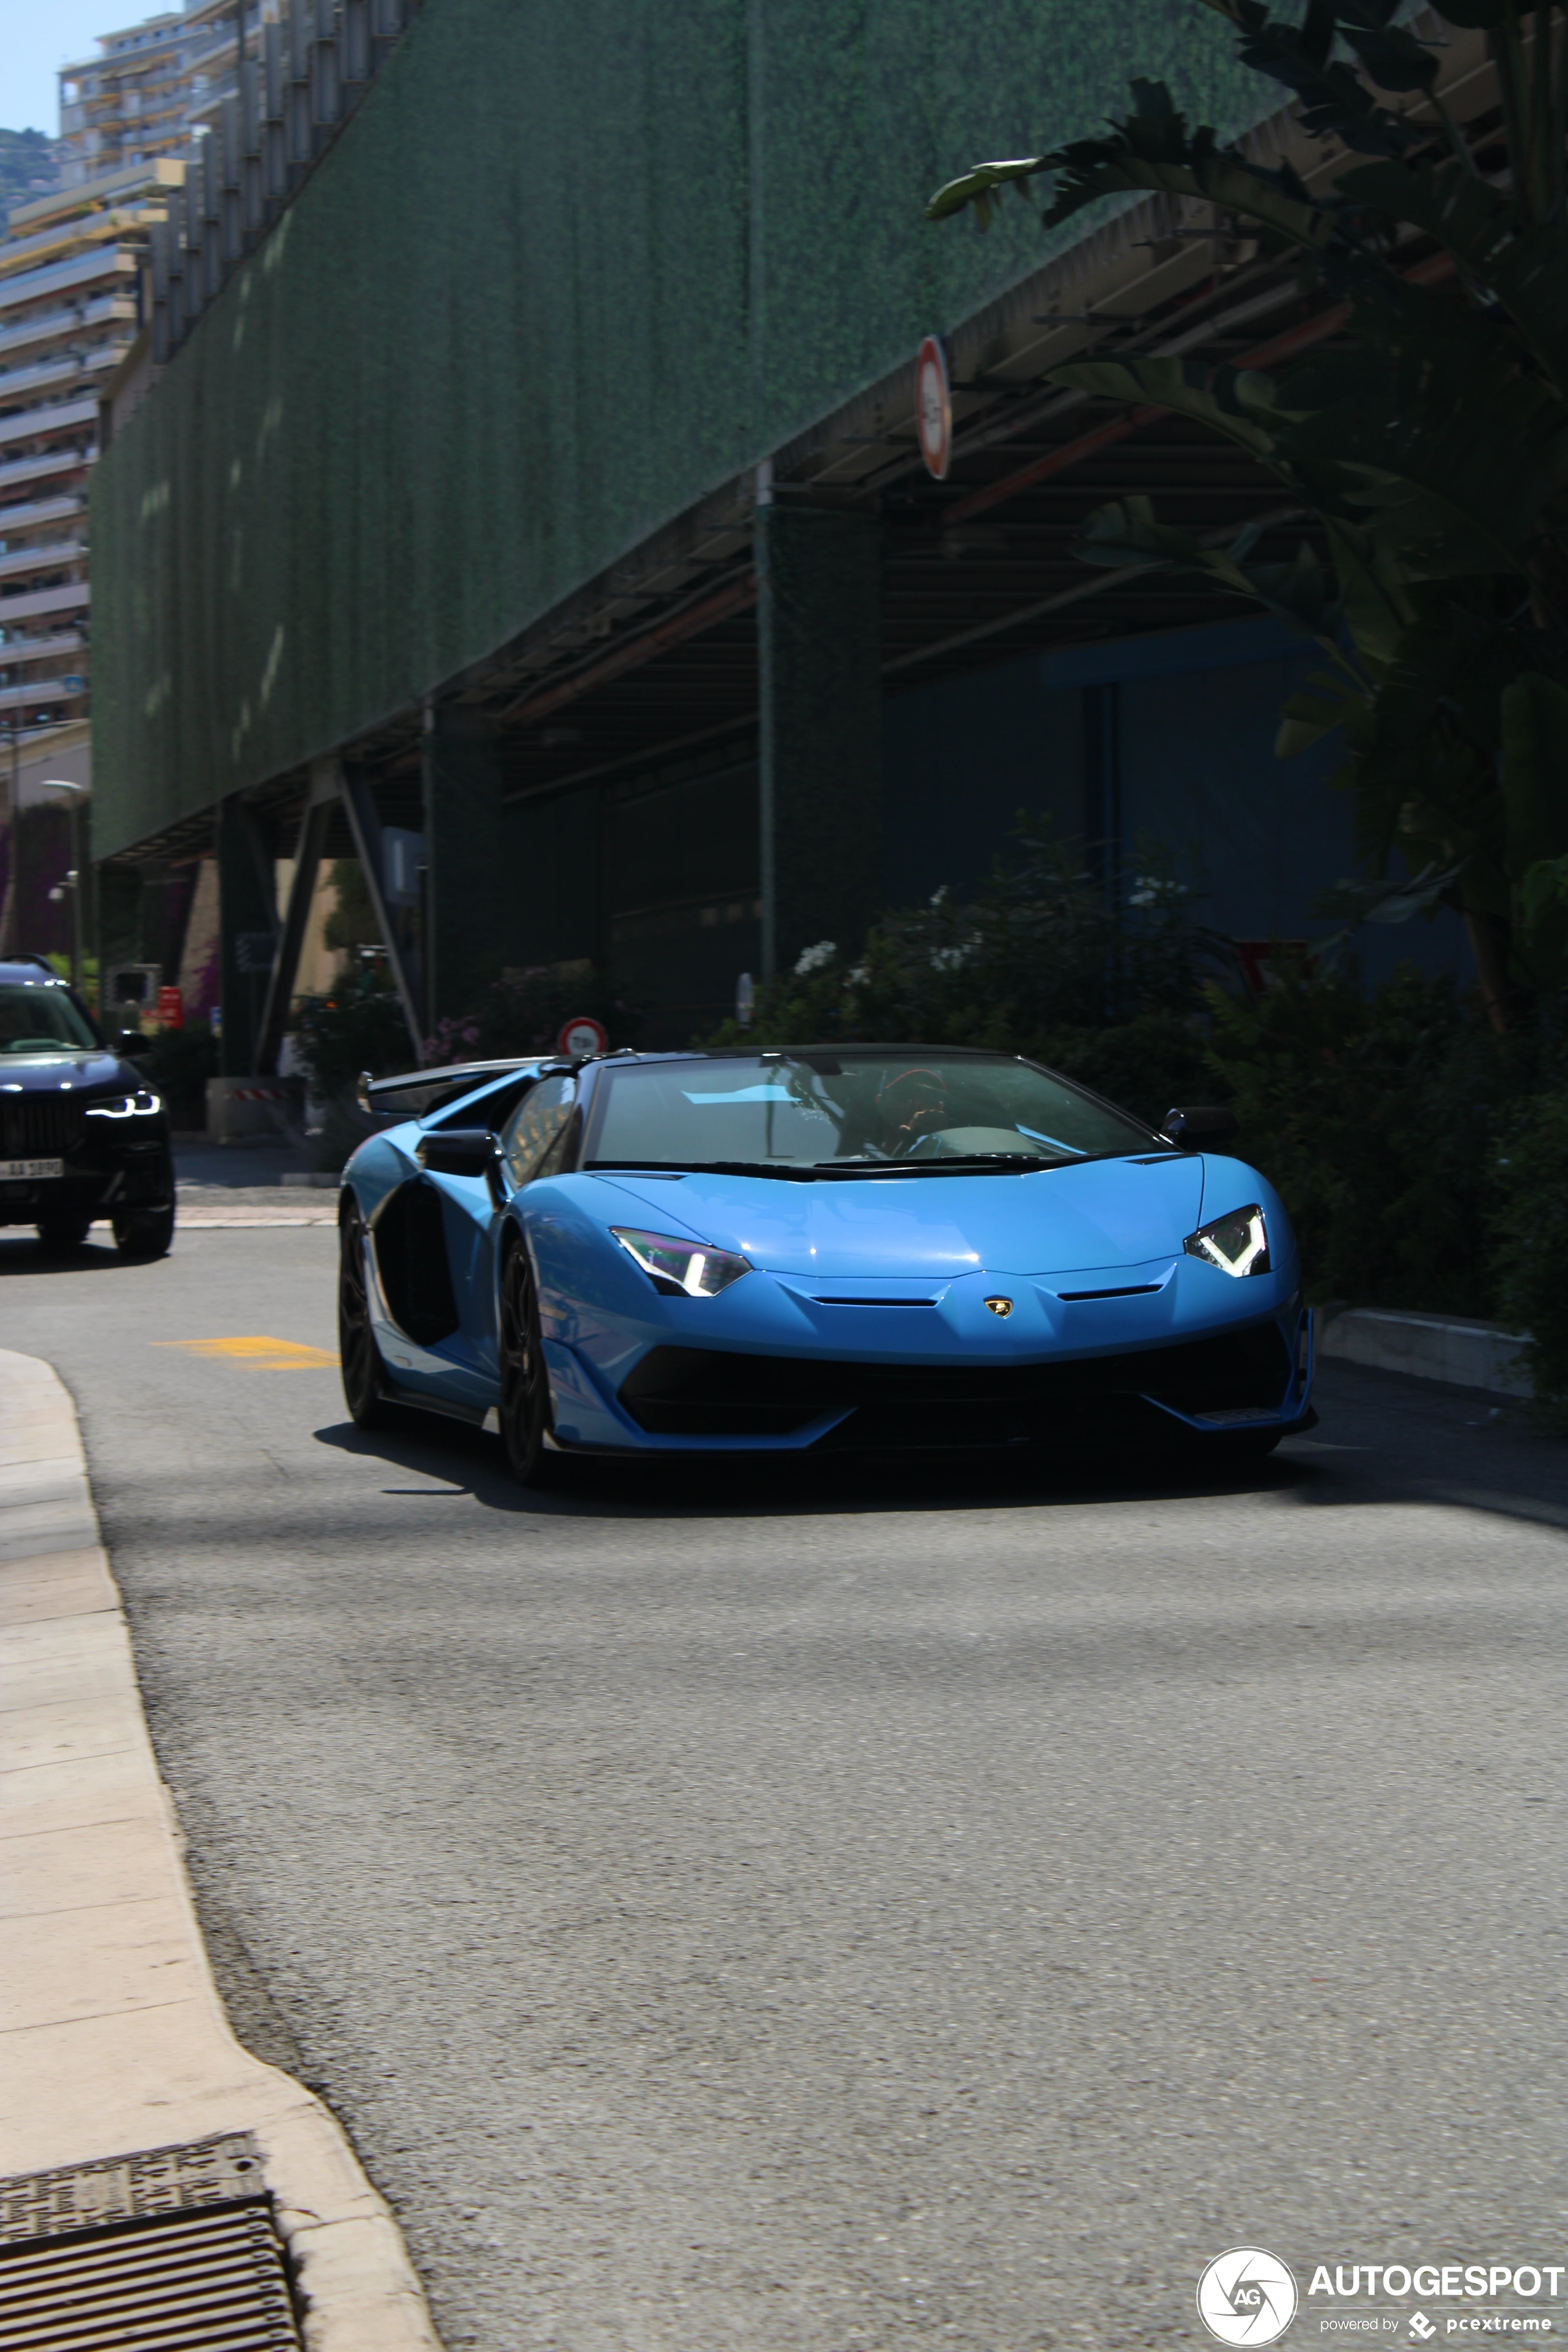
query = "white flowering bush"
x=1034 y=961
x=816 y=959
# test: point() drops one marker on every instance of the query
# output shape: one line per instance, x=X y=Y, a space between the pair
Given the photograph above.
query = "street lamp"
x=73 y=879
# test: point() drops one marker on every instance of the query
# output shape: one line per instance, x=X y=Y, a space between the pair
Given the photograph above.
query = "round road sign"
x=581 y=1034
x=933 y=408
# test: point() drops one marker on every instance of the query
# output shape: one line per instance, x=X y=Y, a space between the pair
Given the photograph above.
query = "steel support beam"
x=308 y=851
x=365 y=826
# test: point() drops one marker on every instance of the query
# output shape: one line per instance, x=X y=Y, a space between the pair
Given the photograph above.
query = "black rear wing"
x=416 y=1093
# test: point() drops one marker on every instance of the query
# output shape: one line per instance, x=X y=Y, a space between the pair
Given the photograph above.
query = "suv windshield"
x=815 y=1109
x=35 y=1018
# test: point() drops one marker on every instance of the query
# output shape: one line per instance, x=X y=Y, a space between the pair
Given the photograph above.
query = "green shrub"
x=352 y=922
x=359 y=1027
x=178 y=1067
x=1036 y=962
x=1530 y=1229
x=524 y=1012
x=1377 y=1117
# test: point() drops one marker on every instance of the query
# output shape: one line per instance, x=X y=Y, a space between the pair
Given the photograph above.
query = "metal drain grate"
x=172 y=2249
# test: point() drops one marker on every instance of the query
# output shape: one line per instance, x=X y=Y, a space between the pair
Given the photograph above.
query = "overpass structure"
x=539 y=499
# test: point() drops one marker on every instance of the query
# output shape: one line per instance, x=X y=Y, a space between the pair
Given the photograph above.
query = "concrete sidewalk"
x=1453 y=1349
x=115 y=2040
x=250 y=1184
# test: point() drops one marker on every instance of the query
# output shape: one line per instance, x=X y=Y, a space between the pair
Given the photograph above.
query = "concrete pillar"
x=248 y=925
x=819 y=674
x=117 y=928
x=466 y=903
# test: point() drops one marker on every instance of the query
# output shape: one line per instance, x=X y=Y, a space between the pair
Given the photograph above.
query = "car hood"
x=51 y=1073
x=1106 y=1213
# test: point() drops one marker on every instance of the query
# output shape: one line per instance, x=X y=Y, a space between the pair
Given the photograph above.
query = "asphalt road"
x=932 y=1909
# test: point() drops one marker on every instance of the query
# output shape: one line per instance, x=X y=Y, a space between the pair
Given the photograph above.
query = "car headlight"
x=1238 y=1244
x=141 y=1105
x=688 y=1268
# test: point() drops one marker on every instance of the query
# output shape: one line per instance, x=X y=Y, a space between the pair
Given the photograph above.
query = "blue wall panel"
x=1195 y=716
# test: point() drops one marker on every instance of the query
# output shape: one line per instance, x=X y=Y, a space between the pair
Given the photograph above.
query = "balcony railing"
x=49 y=324
x=52 y=690
x=64 y=460
x=75 y=596
x=46 y=556
x=61 y=644
x=34 y=511
x=110 y=261
x=15 y=384
x=92 y=228
x=65 y=416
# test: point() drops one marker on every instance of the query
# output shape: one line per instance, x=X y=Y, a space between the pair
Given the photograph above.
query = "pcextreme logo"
x=1246 y=2296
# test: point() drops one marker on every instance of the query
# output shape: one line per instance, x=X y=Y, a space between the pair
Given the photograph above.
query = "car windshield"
x=816 y=1109
x=35 y=1018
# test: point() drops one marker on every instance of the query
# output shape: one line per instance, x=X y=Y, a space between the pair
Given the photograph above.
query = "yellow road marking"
x=262 y=1354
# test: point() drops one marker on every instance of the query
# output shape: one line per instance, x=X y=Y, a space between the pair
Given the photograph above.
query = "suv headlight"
x=141 y=1105
x=1238 y=1244
x=688 y=1268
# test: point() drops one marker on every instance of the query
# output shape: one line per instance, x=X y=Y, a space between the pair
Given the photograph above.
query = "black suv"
x=80 y=1135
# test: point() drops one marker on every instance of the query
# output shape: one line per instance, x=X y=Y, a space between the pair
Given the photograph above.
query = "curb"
x=117 y=2040
x=1425 y=1347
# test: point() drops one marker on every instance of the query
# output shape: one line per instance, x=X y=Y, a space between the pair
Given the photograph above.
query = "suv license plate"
x=31 y=1168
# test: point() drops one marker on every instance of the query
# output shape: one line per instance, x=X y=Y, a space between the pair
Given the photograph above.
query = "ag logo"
x=1246 y=2296
x=1000 y=1305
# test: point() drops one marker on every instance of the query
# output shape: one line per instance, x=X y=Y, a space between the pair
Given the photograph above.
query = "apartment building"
x=68 y=311
x=155 y=87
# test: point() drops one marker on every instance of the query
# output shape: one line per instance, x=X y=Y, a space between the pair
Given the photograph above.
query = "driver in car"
x=909 y=1108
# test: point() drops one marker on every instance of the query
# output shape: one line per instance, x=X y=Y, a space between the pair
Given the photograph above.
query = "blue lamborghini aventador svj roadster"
x=879 y=1248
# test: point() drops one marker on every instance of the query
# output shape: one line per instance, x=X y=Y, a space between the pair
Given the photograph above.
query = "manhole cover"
x=171 y=2250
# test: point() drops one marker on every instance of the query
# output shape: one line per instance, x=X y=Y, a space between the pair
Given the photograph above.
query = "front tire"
x=524 y=1411
x=364 y=1373
x=145 y=1233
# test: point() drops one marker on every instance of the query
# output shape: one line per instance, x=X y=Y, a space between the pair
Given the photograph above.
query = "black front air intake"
x=708 y=1392
x=411 y=1257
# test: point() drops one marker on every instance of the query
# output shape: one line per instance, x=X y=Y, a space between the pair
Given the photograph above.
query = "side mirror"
x=465 y=1151
x=1201 y=1127
x=132 y=1043
x=458 y=1151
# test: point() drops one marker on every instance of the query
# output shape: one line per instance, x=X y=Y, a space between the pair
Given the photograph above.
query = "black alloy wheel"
x=524 y=1382
x=60 y=1235
x=364 y=1373
x=145 y=1233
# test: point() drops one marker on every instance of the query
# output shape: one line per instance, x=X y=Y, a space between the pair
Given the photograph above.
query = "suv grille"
x=33 y=1127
